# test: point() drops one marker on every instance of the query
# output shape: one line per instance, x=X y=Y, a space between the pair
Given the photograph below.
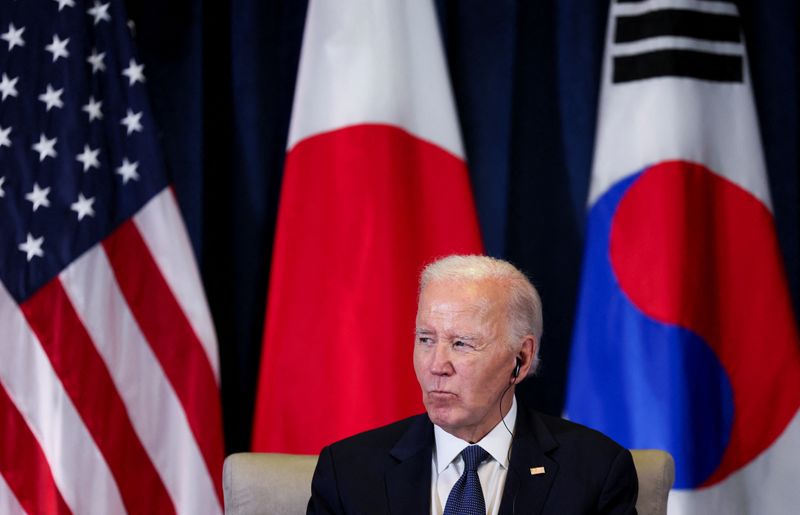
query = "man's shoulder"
x=575 y=437
x=594 y=473
x=353 y=474
x=379 y=439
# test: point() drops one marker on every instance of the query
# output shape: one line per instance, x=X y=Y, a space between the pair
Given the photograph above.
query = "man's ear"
x=525 y=356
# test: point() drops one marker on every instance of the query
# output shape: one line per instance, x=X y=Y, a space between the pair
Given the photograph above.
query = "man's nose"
x=440 y=360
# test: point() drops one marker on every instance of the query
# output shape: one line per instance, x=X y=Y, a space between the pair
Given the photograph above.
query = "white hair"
x=524 y=304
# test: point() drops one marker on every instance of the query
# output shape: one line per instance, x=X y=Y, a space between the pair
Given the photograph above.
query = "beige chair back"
x=280 y=484
x=656 y=472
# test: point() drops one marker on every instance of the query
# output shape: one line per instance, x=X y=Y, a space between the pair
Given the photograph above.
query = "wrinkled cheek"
x=418 y=360
x=418 y=371
x=422 y=369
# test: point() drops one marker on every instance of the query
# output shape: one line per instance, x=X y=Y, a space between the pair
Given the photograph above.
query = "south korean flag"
x=685 y=338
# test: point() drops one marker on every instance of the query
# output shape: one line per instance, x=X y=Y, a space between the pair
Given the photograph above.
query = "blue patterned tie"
x=466 y=497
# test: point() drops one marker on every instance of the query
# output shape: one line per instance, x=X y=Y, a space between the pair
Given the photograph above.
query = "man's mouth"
x=441 y=394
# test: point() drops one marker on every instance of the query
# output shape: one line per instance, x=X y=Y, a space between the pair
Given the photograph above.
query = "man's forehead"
x=452 y=296
x=487 y=289
x=441 y=308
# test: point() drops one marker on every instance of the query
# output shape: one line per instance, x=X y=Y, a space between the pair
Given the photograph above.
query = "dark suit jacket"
x=388 y=470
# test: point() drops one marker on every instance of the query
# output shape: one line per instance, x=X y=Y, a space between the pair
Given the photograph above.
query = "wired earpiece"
x=515 y=373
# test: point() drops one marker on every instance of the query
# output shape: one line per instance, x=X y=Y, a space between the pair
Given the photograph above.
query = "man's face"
x=461 y=355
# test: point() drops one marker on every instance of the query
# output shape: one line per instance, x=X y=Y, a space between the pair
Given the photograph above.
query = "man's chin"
x=441 y=413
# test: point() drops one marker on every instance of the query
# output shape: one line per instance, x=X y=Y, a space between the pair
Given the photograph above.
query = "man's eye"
x=425 y=340
x=460 y=343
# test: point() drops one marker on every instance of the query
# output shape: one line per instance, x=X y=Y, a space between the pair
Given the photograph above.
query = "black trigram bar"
x=678 y=63
x=678 y=22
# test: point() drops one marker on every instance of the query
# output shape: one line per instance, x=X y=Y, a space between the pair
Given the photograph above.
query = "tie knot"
x=473 y=456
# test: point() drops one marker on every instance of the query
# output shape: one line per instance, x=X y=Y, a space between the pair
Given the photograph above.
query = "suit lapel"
x=526 y=492
x=408 y=483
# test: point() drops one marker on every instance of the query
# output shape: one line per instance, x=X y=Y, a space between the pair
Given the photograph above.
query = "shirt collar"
x=496 y=442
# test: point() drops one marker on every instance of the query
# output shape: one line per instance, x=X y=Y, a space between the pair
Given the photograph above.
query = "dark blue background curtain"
x=525 y=76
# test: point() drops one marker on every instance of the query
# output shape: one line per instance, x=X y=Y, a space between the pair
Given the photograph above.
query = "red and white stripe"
x=110 y=391
x=8 y=502
x=161 y=226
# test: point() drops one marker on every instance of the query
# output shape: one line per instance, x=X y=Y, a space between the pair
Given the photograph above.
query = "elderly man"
x=475 y=450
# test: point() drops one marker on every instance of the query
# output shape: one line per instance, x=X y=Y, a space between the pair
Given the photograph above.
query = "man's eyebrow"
x=423 y=331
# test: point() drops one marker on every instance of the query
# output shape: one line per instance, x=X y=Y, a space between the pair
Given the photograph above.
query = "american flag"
x=109 y=375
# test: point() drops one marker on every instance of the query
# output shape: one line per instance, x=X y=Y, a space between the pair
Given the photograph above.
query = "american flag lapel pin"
x=535 y=471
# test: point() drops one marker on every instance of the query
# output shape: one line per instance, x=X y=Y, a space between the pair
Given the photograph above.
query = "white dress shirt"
x=448 y=465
